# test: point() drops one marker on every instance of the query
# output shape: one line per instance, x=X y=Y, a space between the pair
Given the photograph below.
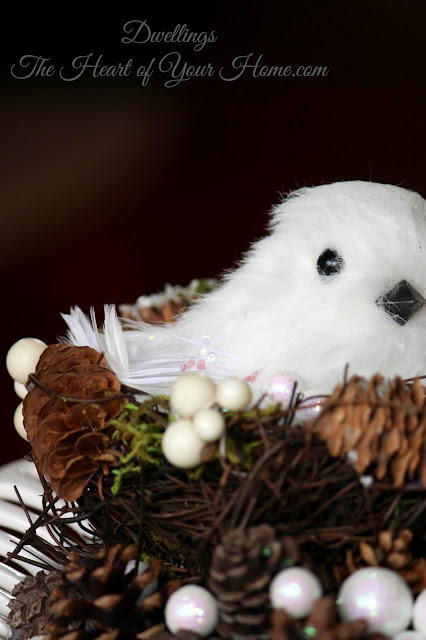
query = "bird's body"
x=314 y=295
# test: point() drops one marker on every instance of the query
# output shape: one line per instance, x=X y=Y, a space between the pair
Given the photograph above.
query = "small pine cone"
x=393 y=552
x=321 y=624
x=380 y=423
x=113 y=603
x=415 y=575
x=30 y=606
x=170 y=310
x=167 y=306
x=242 y=567
x=70 y=441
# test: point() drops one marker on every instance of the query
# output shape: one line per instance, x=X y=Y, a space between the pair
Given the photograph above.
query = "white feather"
x=114 y=343
x=80 y=330
x=127 y=352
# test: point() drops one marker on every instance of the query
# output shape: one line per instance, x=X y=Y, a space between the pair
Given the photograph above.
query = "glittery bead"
x=295 y=590
x=192 y=608
x=409 y=635
x=419 y=613
x=378 y=595
x=281 y=388
x=310 y=408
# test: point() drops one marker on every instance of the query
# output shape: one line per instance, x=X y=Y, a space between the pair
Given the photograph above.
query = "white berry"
x=233 y=394
x=181 y=444
x=22 y=358
x=295 y=590
x=192 y=608
x=192 y=392
x=18 y=421
x=209 y=424
x=20 y=389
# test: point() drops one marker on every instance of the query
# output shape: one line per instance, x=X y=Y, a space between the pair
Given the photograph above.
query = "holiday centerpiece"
x=225 y=498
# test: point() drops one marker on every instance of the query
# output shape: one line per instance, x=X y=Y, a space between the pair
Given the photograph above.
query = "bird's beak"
x=401 y=302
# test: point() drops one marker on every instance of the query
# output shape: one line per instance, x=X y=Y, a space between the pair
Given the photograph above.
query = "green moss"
x=140 y=430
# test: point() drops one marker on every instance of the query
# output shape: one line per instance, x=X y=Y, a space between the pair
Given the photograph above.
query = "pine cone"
x=168 y=312
x=321 y=624
x=392 y=551
x=241 y=569
x=30 y=606
x=114 y=603
x=168 y=305
x=381 y=423
x=70 y=441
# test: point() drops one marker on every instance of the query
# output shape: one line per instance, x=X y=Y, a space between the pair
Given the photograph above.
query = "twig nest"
x=191 y=608
x=181 y=444
x=419 y=613
x=295 y=590
x=233 y=394
x=20 y=389
x=18 y=421
x=209 y=424
x=192 y=392
x=378 y=595
x=22 y=358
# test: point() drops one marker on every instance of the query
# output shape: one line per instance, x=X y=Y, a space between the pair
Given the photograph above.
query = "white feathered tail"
x=129 y=348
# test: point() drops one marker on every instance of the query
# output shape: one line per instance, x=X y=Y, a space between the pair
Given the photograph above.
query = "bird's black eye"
x=329 y=263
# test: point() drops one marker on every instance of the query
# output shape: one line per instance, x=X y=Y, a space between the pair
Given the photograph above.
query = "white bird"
x=339 y=280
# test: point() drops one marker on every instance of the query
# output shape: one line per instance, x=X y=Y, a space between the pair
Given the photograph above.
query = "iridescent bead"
x=295 y=590
x=192 y=608
x=378 y=595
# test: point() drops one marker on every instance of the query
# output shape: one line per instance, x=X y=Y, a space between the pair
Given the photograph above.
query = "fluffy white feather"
x=80 y=331
x=276 y=313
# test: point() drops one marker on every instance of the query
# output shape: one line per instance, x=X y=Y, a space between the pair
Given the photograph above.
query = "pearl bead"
x=181 y=444
x=281 y=388
x=409 y=635
x=233 y=394
x=419 y=613
x=378 y=595
x=209 y=424
x=20 y=389
x=22 y=358
x=295 y=590
x=310 y=408
x=192 y=608
x=192 y=392
x=18 y=421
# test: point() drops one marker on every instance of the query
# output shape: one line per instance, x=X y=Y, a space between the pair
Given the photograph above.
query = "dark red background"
x=109 y=189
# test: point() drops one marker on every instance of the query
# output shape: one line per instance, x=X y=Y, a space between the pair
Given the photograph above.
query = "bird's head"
x=341 y=278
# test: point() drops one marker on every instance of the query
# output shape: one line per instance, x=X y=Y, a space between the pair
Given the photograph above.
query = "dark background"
x=109 y=189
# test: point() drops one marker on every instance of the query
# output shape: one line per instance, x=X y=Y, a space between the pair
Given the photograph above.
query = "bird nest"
x=340 y=492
